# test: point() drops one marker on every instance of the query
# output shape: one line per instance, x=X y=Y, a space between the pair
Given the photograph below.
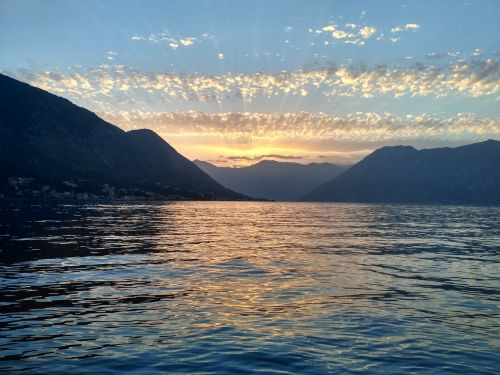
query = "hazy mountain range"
x=468 y=174
x=271 y=179
x=50 y=147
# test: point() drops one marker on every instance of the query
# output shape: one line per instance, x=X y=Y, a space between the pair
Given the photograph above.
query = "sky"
x=234 y=82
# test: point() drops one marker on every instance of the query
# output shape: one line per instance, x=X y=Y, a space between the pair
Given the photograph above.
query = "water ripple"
x=245 y=287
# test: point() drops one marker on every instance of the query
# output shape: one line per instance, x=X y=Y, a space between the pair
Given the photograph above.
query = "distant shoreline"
x=152 y=200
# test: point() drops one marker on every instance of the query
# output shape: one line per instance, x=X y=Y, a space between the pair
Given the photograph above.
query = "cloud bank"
x=310 y=126
x=304 y=135
x=474 y=78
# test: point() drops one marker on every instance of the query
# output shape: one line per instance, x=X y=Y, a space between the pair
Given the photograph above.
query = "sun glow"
x=236 y=156
x=324 y=86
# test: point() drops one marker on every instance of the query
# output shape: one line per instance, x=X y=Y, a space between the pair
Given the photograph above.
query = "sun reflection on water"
x=246 y=286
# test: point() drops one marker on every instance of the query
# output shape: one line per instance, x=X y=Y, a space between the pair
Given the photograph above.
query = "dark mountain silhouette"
x=51 y=147
x=270 y=179
x=468 y=174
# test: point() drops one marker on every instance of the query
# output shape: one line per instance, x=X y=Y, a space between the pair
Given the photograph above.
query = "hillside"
x=467 y=174
x=51 y=147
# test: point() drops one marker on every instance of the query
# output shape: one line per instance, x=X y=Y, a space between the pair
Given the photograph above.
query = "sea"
x=248 y=287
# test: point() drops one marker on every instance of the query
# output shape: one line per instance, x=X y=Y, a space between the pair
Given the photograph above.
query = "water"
x=223 y=287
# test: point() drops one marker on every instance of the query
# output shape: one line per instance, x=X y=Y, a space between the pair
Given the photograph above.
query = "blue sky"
x=320 y=80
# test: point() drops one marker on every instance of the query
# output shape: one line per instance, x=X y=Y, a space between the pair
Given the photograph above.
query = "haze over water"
x=240 y=287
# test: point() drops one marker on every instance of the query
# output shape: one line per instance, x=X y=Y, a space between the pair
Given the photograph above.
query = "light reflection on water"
x=241 y=287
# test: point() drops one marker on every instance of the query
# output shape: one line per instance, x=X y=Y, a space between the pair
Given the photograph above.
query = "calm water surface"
x=223 y=287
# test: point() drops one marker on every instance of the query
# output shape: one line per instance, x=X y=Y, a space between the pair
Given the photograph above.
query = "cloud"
x=476 y=53
x=351 y=33
x=188 y=41
x=342 y=139
x=287 y=29
x=261 y=157
x=467 y=79
x=339 y=34
x=111 y=55
x=329 y=28
x=295 y=133
x=220 y=56
x=355 y=127
x=407 y=27
x=412 y=26
x=434 y=55
x=367 y=31
x=173 y=41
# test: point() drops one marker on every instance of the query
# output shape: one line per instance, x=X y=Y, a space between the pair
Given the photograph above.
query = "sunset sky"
x=233 y=82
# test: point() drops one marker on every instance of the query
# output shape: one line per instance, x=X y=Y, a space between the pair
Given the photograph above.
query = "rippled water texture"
x=223 y=287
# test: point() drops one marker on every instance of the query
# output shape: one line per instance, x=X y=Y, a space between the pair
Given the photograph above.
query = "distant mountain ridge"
x=275 y=180
x=51 y=147
x=463 y=175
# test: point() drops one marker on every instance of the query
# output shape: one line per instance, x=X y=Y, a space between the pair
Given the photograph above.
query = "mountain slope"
x=49 y=146
x=270 y=179
x=468 y=174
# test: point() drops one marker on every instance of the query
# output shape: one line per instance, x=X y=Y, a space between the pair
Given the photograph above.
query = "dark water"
x=249 y=287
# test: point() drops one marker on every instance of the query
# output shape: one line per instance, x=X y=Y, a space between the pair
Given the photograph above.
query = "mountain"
x=468 y=174
x=51 y=147
x=274 y=180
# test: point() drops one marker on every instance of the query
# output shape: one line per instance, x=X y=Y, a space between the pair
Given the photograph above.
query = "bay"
x=245 y=287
